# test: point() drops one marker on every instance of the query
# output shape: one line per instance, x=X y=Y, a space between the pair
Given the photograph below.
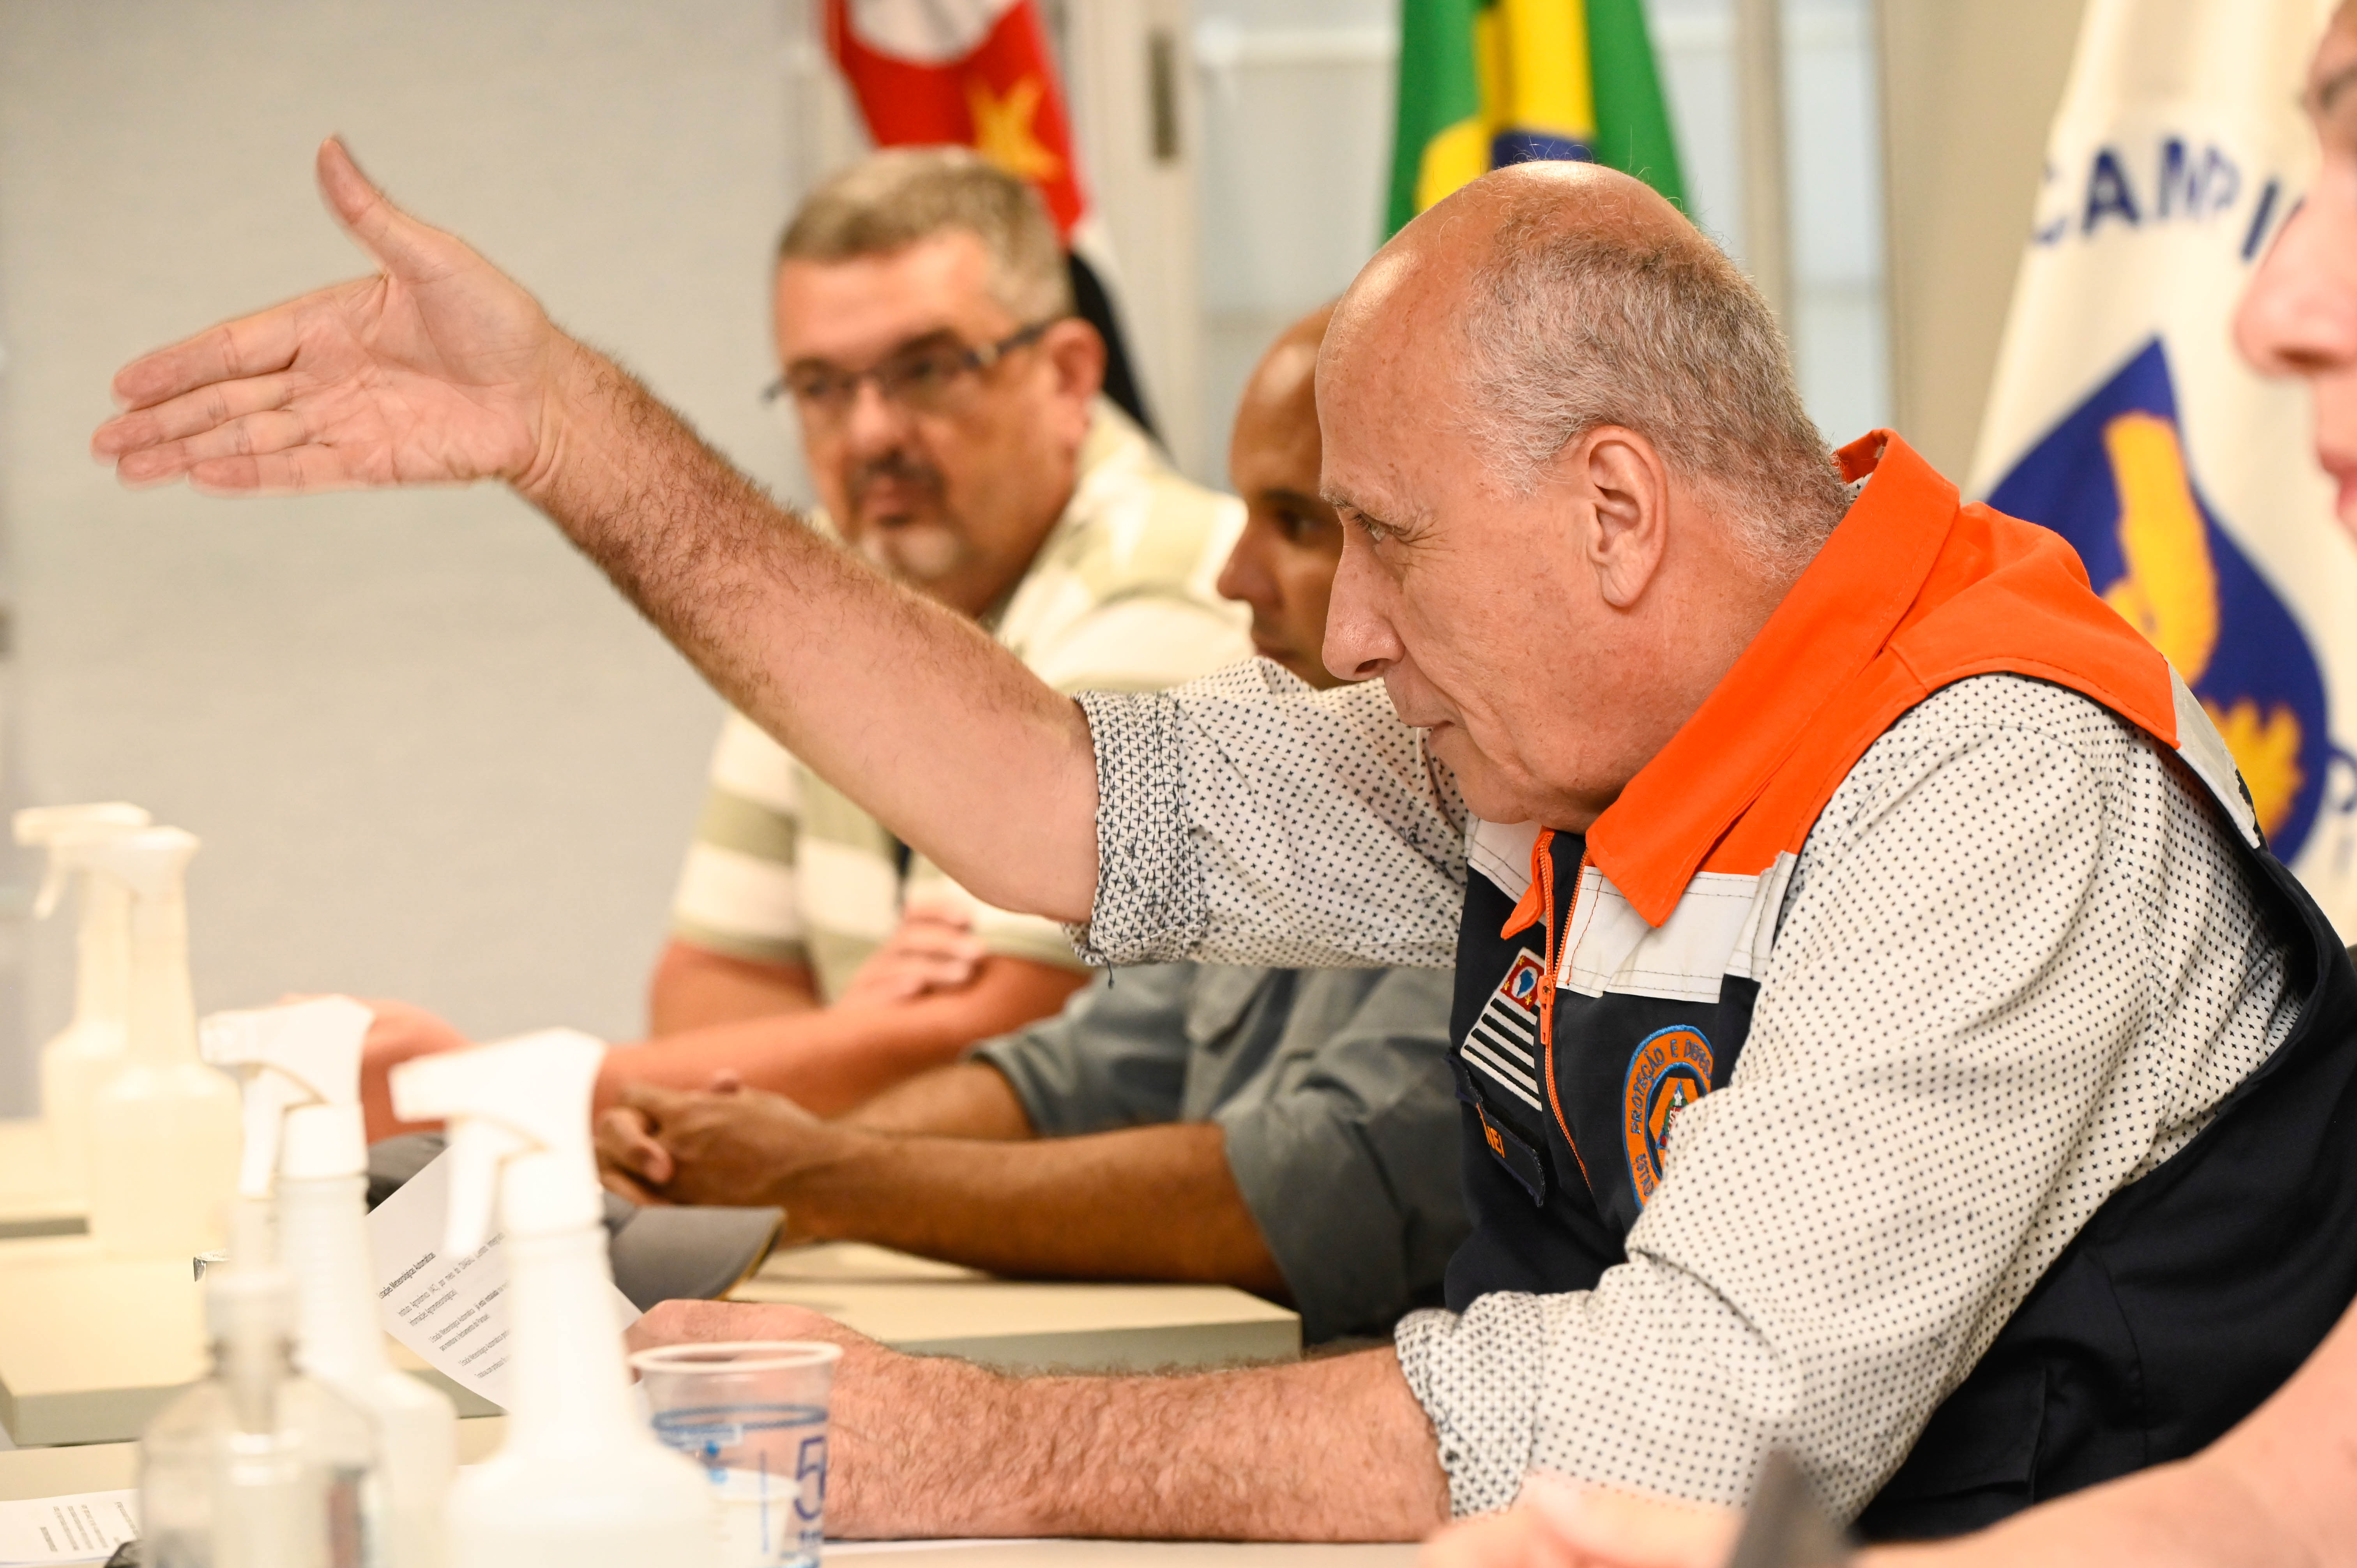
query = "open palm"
x=437 y=369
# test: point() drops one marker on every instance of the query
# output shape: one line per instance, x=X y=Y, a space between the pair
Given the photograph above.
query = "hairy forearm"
x=1143 y=1203
x=1329 y=1450
x=908 y=708
x=832 y=1060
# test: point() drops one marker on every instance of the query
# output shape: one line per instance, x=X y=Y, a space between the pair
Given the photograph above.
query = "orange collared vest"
x=1605 y=984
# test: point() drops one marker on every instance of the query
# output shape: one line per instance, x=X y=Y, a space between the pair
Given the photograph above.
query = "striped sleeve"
x=1144 y=642
x=737 y=890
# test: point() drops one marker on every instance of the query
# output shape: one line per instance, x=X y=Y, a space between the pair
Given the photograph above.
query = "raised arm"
x=441 y=370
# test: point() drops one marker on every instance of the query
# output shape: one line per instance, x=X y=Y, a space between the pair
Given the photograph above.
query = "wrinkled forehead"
x=1385 y=393
x=1396 y=339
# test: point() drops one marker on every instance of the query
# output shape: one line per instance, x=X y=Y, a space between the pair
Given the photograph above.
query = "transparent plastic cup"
x=753 y=1413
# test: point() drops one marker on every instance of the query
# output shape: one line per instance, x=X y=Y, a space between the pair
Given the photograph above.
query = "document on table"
x=452 y=1311
x=84 y=1528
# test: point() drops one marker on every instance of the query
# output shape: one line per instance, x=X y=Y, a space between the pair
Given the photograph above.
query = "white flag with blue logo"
x=2121 y=417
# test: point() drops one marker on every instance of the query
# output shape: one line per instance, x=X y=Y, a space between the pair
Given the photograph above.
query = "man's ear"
x=1078 y=356
x=1627 y=487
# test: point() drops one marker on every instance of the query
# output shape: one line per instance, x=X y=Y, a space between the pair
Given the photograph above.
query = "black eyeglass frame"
x=971 y=361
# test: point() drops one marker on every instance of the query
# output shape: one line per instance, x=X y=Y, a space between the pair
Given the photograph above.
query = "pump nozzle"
x=519 y=1116
x=251 y=1291
x=47 y=826
x=150 y=862
x=299 y=1068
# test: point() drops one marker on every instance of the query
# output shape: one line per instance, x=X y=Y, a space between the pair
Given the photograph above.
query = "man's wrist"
x=571 y=390
x=828 y=1179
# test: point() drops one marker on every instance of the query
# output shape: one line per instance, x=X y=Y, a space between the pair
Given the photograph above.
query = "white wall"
x=430 y=753
x=1832 y=176
x=1297 y=113
x=1972 y=87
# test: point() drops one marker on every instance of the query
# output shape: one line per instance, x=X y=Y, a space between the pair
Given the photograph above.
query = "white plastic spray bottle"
x=299 y=1068
x=82 y=1054
x=163 y=1125
x=582 y=1482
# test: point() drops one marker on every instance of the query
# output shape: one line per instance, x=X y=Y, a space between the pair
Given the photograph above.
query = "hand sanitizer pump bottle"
x=582 y=1482
x=164 y=1126
x=299 y=1069
x=82 y=1054
x=256 y=1466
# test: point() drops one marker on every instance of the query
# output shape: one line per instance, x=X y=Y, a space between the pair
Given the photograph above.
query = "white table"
x=31 y=1203
x=104 y=1466
x=90 y=1349
x=938 y=1309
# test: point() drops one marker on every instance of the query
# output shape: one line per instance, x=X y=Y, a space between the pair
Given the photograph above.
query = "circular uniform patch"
x=1669 y=1071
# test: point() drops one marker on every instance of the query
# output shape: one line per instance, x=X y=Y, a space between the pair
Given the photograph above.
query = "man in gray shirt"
x=1293 y=1132
x=1289 y=1132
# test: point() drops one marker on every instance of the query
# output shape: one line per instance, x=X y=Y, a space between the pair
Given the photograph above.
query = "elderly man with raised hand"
x=1698 y=748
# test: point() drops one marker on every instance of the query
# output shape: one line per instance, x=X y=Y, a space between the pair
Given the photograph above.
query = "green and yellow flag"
x=1484 y=83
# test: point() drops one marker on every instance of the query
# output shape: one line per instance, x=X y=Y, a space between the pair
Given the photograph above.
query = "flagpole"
x=1760 y=99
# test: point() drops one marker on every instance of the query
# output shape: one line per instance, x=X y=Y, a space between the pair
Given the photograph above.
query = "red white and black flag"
x=979 y=73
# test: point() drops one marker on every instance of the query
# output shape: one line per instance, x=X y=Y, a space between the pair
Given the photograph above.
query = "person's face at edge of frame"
x=1283 y=563
x=953 y=502
x=2299 y=318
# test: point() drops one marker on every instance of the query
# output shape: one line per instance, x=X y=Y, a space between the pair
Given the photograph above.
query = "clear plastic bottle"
x=299 y=1069
x=256 y=1466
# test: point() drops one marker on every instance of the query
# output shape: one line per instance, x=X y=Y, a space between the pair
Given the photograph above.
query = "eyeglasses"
x=924 y=378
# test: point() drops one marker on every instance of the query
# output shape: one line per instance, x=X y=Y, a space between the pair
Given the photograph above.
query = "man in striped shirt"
x=947 y=400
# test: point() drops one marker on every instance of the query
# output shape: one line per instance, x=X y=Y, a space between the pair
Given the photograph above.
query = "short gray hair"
x=1570 y=330
x=889 y=200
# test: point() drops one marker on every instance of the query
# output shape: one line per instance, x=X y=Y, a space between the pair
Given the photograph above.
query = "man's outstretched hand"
x=439 y=369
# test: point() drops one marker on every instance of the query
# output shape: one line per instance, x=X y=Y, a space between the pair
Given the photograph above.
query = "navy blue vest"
x=2186 y=1300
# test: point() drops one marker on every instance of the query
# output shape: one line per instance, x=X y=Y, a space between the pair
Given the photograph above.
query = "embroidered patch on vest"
x=1669 y=1071
x=1504 y=1041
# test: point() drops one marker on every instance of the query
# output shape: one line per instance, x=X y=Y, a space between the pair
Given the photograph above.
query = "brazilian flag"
x=1484 y=83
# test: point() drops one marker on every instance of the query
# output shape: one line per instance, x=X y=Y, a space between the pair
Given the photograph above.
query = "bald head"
x=1550 y=299
x=1281 y=390
x=1430 y=263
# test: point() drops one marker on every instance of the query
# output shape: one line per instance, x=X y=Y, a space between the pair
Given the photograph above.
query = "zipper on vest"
x=1536 y=906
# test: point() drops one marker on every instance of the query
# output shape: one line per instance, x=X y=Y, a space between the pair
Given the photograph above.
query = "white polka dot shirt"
x=2020 y=964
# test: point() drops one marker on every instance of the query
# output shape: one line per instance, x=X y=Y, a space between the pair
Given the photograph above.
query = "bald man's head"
x=1575 y=478
x=1555 y=298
